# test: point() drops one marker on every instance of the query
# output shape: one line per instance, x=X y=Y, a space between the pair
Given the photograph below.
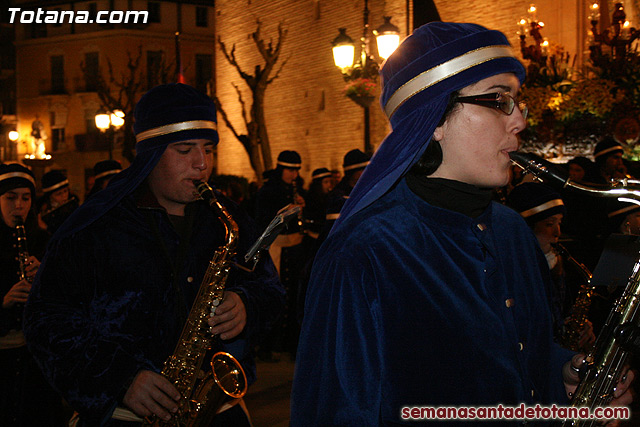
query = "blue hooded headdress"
x=165 y=114
x=438 y=59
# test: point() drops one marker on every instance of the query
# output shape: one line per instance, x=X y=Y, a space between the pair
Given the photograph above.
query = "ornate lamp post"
x=106 y=121
x=538 y=51
x=618 y=37
x=364 y=72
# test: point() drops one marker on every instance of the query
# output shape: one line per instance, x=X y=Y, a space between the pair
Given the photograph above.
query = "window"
x=154 y=11
x=204 y=72
x=155 y=66
x=57 y=74
x=91 y=71
x=202 y=17
x=57 y=138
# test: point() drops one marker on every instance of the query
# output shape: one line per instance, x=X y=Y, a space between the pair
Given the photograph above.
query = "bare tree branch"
x=226 y=120
x=256 y=141
x=278 y=71
x=242 y=103
x=231 y=59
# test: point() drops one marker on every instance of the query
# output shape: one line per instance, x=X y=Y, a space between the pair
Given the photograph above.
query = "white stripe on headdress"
x=107 y=173
x=623 y=210
x=289 y=165
x=56 y=186
x=23 y=175
x=357 y=165
x=540 y=208
x=608 y=150
x=443 y=71
x=175 y=127
x=321 y=175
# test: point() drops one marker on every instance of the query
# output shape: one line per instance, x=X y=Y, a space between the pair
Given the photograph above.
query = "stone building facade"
x=305 y=107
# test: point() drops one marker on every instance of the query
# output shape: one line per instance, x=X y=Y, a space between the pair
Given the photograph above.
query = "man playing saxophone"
x=119 y=278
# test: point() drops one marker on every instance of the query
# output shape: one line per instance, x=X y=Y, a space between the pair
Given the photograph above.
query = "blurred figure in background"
x=26 y=399
x=543 y=210
x=581 y=169
x=103 y=171
x=57 y=203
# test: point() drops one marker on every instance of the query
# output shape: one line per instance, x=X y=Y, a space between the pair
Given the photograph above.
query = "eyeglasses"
x=501 y=101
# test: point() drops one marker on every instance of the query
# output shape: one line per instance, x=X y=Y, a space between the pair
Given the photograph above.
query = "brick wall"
x=305 y=107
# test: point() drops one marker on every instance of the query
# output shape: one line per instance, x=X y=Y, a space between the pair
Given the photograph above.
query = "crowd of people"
x=427 y=275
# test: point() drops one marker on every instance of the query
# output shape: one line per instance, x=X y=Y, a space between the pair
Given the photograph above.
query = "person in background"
x=57 y=203
x=427 y=293
x=120 y=277
x=543 y=210
x=103 y=171
x=315 y=212
x=336 y=176
x=283 y=189
x=585 y=221
x=581 y=169
x=353 y=164
x=316 y=203
x=608 y=156
x=624 y=218
x=26 y=399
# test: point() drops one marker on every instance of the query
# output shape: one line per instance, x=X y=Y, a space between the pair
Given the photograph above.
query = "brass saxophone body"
x=580 y=309
x=203 y=395
x=606 y=360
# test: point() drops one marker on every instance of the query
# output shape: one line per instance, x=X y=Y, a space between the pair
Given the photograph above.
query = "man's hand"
x=18 y=294
x=230 y=318
x=152 y=394
x=622 y=395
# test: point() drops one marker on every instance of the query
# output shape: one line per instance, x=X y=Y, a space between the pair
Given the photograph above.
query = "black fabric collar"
x=456 y=196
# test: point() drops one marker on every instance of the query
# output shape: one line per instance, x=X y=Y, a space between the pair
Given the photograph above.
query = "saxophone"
x=580 y=310
x=203 y=395
x=605 y=362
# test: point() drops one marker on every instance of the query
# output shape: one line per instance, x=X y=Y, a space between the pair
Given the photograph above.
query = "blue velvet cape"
x=102 y=306
x=407 y=306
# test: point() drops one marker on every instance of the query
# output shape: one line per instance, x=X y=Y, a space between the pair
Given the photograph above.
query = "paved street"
x=268 y=398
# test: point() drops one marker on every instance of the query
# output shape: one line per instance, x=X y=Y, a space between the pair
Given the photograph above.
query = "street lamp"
x=105 y=120
x=364 y=72
x=9 y=150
